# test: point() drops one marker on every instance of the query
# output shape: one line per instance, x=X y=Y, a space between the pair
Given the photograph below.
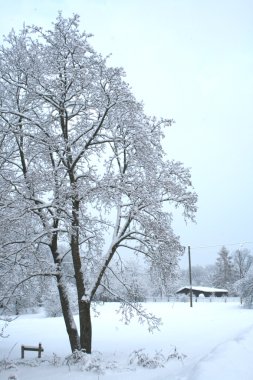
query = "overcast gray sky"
x=190 y=60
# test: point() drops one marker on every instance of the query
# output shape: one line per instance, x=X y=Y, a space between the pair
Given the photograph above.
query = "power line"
x=220 y=245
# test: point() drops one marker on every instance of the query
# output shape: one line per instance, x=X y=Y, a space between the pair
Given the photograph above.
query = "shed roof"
x=204 y=289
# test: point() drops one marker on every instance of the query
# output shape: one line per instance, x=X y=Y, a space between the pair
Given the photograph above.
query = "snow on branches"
x=82 y=166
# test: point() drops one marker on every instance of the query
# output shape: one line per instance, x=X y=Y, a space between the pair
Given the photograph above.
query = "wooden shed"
x=206 y=291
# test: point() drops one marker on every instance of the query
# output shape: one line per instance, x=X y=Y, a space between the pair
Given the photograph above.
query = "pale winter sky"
x=190 y=60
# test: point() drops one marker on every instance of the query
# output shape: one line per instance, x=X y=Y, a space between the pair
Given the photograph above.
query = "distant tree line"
x=139 y=283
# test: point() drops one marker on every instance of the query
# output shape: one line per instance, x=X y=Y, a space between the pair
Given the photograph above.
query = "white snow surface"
x=216 y=337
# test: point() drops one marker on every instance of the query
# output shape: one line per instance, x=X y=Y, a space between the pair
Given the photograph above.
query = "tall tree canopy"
x=82 y=171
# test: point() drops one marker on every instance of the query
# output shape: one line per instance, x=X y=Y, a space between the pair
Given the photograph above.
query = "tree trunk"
x=68 y=317
x=85 y=326
x=64 y=298
x=84 y=305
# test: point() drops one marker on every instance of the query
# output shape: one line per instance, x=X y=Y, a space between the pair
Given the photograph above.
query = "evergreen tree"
x=224 y=270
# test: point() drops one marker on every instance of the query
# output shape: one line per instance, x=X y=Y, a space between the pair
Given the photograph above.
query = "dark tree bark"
x=83 y=304
x=85 y=326
x=64 y=299
x=68 y=318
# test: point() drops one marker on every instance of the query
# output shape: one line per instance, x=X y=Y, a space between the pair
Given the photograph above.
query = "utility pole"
x=190 y=274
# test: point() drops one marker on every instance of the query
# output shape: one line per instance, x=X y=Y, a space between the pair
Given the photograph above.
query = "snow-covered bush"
x=158 y=360
x=142 y=359
x=89 y=362
x=244 y=288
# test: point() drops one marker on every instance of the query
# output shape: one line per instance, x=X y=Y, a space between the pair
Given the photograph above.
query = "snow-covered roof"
x=204 y=289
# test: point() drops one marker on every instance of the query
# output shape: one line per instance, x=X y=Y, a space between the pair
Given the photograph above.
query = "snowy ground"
x=216 y=337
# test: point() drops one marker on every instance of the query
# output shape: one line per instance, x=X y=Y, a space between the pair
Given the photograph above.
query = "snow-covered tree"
x=242 y=260
x=163 y=281
x=224 y=275
x=200 y=275
x=82 y=168
x=244 y=287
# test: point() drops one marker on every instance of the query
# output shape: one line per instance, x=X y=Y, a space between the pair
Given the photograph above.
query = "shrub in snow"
x=56 y=360
x=176 y=355
x=142 y=359
x=89 y=362
x=6 y=364
x=158 y=360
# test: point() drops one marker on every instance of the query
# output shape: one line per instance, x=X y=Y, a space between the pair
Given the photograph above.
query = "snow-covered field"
x=213 y=340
